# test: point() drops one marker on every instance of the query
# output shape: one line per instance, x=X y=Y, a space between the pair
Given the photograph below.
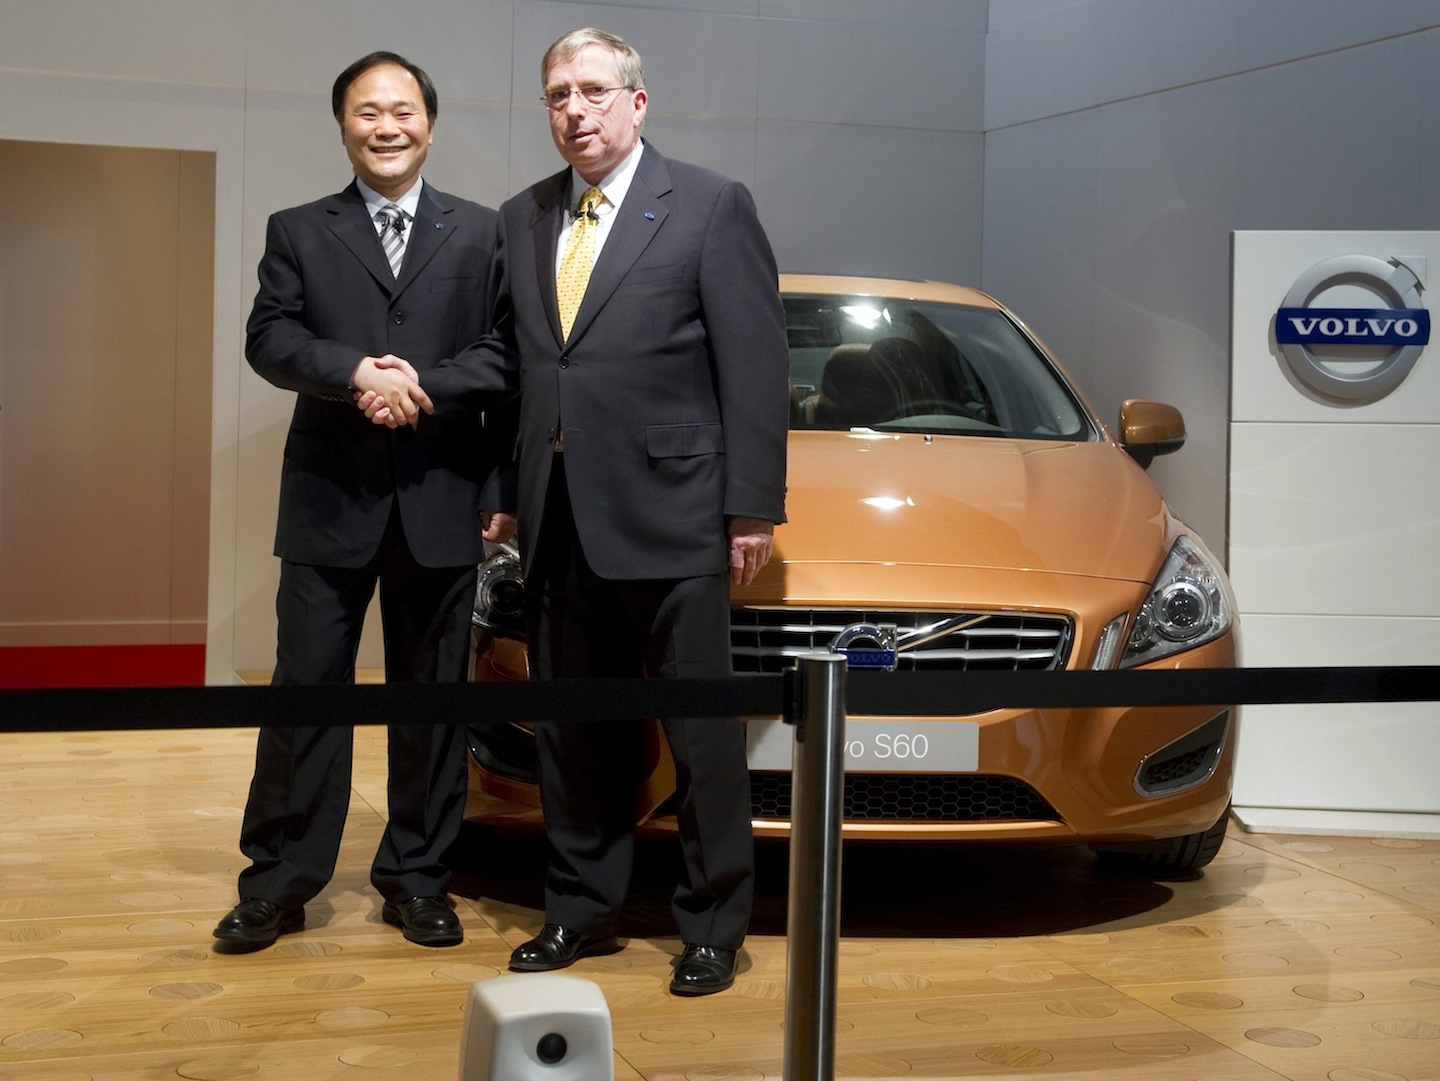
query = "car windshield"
x=914 y=366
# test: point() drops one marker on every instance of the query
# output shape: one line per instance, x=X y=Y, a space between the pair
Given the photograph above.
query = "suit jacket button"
x=399 y=318
x=564 y=362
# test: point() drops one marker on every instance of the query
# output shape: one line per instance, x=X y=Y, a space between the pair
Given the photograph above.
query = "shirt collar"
x=614 y=186
x=375 y=202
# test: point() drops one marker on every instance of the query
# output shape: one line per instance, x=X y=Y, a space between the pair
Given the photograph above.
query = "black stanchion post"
x=813 y=920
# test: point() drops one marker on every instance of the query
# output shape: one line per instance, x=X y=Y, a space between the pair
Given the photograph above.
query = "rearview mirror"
x=1148 y=429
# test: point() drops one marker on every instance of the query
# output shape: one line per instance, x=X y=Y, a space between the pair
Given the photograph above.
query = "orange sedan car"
x=955 y=503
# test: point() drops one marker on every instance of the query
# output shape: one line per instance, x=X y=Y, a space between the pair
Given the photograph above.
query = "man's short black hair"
x=374 y=60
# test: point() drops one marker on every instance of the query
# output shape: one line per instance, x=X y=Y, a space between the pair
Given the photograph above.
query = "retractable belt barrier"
x=917 y=694
x=814 y=698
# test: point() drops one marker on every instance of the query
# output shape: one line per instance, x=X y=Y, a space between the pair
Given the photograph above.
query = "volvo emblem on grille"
x=867 y=645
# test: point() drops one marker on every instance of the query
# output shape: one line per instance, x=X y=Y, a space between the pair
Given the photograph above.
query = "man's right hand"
x=388 y=390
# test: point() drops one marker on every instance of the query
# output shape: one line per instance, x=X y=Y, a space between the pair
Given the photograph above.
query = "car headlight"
x=500 y=592
x=1188 y=605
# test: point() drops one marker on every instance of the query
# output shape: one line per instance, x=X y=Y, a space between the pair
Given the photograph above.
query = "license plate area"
x=872 y=746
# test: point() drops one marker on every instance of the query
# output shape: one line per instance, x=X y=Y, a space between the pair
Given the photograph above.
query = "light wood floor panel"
x=1302 y=958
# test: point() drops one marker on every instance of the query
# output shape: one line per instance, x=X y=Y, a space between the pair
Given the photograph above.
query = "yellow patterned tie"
x=578 y=261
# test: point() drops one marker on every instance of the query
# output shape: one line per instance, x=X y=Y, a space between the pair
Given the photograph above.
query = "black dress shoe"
x=426 y=921
x=254 y=924
x=560 y=947
x=703 y=970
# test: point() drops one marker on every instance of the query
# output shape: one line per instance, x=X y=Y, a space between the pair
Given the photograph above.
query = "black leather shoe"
x=560 y=947
x=426 y=921
x=703 y=970
x=254 y=924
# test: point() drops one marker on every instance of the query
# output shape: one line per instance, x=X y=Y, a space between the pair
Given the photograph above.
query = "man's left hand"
x=751 y=542
x=496 y=526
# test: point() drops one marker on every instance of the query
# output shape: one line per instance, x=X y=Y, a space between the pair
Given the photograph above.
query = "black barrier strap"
x=901 y=694
x=127 y=709
x=963 y=693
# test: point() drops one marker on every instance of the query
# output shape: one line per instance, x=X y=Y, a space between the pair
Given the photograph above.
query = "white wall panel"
x=1341 y=519
x=1354 y=756
x=1334 y=520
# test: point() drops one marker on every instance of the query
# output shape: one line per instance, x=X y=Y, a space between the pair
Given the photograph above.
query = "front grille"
x=900 y=797
x=770 y=639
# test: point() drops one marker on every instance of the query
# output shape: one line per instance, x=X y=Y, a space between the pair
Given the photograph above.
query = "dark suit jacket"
x=327 y=299
x=673 y=389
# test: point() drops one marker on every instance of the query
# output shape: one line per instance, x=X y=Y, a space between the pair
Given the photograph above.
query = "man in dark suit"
x=652 y=474
x=388 y=268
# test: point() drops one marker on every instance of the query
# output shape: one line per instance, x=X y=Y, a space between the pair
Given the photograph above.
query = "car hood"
x=1026 y=505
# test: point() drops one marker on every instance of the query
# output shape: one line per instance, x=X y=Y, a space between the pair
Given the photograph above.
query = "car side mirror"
x=1148 y=429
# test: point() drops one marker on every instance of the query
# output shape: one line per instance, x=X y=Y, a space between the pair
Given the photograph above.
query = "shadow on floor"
x=887 y=890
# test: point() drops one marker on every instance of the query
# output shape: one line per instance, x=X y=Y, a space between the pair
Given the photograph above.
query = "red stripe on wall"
x=36 y=667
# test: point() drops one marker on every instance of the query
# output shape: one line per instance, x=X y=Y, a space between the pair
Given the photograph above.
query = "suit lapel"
x=636 y=222
x=545 y=226
x=430 y=230
x=351 y=224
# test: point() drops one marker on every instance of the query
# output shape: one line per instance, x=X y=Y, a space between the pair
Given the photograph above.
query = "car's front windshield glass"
x=915 y=366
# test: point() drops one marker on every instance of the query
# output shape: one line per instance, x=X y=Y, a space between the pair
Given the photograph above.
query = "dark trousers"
x=583 y=626
x=301 y=788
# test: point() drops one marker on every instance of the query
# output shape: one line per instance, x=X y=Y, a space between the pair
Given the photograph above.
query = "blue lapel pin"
x=439 y=225
x=649 y=216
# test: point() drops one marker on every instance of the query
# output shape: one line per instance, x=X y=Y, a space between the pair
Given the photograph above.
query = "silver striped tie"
x=392 y=235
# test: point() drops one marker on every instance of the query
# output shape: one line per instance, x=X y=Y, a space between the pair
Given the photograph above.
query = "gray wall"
x=1126 y=140
x=1085 y=160
x=851 y=120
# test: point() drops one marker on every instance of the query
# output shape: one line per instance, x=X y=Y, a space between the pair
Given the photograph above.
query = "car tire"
x=1171 y=856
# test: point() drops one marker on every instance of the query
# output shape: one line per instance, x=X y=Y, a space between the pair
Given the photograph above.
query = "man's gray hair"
x=627 y=61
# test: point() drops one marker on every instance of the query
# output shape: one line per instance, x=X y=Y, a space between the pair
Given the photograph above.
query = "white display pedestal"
x=1335 y=527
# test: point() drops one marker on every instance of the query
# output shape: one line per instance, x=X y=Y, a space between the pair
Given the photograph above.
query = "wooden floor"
x=1316 y=959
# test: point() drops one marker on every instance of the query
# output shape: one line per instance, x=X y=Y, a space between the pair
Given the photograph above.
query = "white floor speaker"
x=536 y=1027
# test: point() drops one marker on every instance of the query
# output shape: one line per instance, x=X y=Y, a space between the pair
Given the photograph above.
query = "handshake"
x=387 y=389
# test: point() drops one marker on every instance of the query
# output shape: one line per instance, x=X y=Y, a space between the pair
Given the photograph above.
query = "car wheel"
x=1172 y=856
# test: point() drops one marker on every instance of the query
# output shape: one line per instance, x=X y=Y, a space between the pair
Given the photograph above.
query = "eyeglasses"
x=555 y=100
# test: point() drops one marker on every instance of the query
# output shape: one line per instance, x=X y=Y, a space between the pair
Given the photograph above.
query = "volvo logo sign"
x=1319 y=344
